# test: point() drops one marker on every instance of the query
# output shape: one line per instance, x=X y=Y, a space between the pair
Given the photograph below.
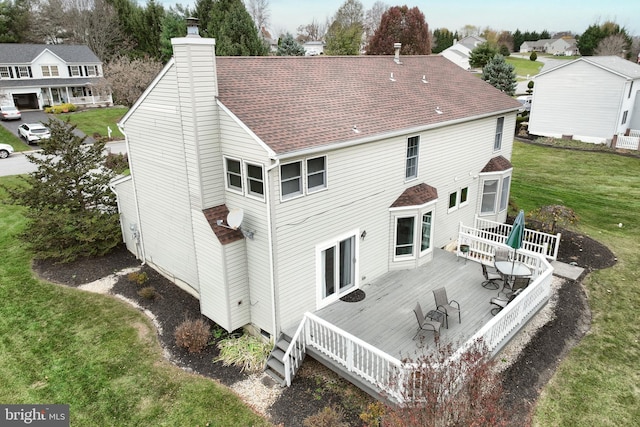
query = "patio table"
x=436 y=315
x=512 y=269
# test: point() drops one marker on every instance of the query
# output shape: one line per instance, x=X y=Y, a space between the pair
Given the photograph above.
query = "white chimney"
x=396 y=47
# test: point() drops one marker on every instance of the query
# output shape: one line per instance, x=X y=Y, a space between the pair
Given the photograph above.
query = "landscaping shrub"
x=118 y=162
x=553 y=217
x=330 y=416
x=148 y=292
x=247 y=352
x=139 y=277
x=372 y=417
x=62 y=108
x=193 y=335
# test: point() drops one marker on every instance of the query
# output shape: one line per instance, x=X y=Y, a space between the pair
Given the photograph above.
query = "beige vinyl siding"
x=128 y=218
x=237 y=143
x=158 y=164
x=358 y=199
x=578 y=99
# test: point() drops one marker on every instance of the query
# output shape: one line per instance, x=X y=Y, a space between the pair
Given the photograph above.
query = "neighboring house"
x=33 y=76
x=271 y=187
x=313 y=48
x=563 y=47
x=589 y=99
x=460 y=52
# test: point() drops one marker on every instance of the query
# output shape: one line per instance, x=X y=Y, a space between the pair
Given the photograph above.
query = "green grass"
x=7 y=137
x=597 y=384
x=524 y=66
x=96 y=120
x=93 y=352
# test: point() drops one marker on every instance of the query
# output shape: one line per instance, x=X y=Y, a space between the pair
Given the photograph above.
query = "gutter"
x=378 y=137
x=272 y=272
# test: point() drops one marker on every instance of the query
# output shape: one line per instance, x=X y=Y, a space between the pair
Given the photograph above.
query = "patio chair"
x=443 y=304
x=501 y=301
x=490 y=277
x=519 y=284
x=425 y=324
x=501 y=254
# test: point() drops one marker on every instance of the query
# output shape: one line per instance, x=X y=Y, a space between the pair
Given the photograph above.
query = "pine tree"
x=482 y=54
x=288 y=46
x=500 y=75
x=71 y=211
x=233 y=28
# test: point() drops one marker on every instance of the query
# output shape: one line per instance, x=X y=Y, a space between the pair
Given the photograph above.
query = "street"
x=17 y=163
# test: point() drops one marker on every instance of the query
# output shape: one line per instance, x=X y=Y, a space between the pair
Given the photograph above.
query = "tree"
x=442 y=39
x=518 y=39
x=553 y=217
x=482 y=54
x=504 y=50
x=232 y=27
x=445 y=390
x=14 y=21
x=311 y=32
x=589 y=40
x=500 y=75
x=373 y=17
x=174 y=24
x=259 y=11
x=401 y=25
x=290 y=47
x=71 y=212
x=469 y=30
x=530 y=87
x=128 y=78
x=615 y=44
x=533 y=57
x=345 y=32
x=151 y=17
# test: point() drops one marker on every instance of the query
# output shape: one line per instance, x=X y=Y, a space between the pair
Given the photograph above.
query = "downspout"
x=272 y=272
x=135 y=194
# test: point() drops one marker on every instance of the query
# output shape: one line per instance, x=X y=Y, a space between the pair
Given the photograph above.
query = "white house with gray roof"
x=460 y=52
x=590 y=99
x=271 y=188
x=33 y=76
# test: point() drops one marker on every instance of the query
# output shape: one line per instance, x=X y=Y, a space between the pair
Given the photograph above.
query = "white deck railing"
x=634 y=133
x=386 y=373
x=628 y=142
x=533 y=241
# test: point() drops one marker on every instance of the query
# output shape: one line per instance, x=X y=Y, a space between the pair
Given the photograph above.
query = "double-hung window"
x=413 y=235
x=50 y=71
x=411 y=169
x=74 y=71
x=425 y=238
x=405 y=227
x=497 y=144
x=624 y=117
x=255 y=180
x=291 y=179
x=458 y=199
x=504 y=193
x=6 y=73
x=489 y=196
x=233 y=171
x=316 y=174
x=91 y=70
x=23 y=71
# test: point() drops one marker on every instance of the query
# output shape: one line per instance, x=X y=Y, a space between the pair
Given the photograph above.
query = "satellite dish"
x=234 y=219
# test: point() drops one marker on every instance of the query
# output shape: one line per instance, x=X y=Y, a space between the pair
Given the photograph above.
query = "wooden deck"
x=385 y=317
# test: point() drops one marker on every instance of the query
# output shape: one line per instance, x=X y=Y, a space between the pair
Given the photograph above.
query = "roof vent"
x=424 y=79
x=438 y=110
x=396 y=47
x=192 y=27
x=355 y=129
x=391 y=78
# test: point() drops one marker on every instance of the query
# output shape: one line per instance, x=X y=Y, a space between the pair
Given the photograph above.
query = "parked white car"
x=33 y=132
x=525 y=100
x=5 y=151
x=9 y=112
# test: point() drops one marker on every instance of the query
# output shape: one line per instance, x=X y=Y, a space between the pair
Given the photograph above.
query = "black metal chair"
x=501 y=301
x=519 y=284
x=490 y=277
x=425 y=324
x=447 y=307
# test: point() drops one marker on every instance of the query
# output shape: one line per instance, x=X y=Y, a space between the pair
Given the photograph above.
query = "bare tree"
x=259 y=11
x=614 y=44
x=373 y=17
x=128 y=78
x=469 y=30
x=311 y=32
x=50 y=21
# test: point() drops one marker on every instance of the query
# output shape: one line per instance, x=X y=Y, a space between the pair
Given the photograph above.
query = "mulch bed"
x=315 y=387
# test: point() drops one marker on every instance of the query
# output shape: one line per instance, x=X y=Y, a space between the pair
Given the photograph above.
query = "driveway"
x=35 y=117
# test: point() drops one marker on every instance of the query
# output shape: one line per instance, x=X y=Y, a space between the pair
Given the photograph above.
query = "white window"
x=91 y=70
x=233 y=174
x=316 y=174
x=405 y=228
x=23 y=71
x=336 y=267
x=255 y=180
x=74 y=70
x=497 y=145
x=427 y=232
x=291 y=179
x=504 y=194
x=464 y=196
x=489 y=195
x=411 y=170
x=458 y=199
x=50 y=71
x=624 y=117
x=5 y=73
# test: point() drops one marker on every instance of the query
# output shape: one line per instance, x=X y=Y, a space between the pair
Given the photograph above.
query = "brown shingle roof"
x=225 y=235
x=416 y=196
x=294 y=103
x=497 y=164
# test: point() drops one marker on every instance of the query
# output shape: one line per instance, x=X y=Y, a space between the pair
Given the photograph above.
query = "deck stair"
x=275 y=362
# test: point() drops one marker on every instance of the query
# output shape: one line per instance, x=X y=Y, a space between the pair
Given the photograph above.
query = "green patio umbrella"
x=515 y=237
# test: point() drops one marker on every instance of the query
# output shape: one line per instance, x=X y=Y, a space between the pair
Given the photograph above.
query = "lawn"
x=7 y=137
x=96 y=120
x=524 y=66
x=597 y=384
x=93 y=352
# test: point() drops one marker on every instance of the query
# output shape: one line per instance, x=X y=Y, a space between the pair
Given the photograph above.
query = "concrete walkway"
x=566 y=271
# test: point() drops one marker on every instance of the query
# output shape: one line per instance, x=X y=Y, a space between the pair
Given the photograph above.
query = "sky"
x=508 y=15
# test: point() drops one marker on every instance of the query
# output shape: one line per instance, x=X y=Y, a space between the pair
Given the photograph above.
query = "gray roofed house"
x=33 y=76
x=460 y=52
